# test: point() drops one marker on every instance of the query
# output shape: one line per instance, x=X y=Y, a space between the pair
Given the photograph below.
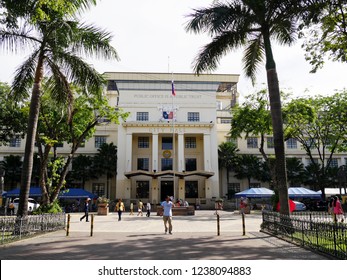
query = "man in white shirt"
x=167 y=214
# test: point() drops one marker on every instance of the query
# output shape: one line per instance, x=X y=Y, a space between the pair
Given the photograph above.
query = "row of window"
x=166 y=143
x=191 y=117
x=99 y=140
x=166 y=164
x=252 y=143
x=191 y=189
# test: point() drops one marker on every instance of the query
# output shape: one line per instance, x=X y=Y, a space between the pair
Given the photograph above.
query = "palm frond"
x=92 y=41
x=284 y=31
x=13 y=40
x=209 y=56
x=24 y=77
x=253 y=57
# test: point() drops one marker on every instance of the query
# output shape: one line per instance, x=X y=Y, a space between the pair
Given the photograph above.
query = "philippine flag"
x=173 y=92
x=167 y=115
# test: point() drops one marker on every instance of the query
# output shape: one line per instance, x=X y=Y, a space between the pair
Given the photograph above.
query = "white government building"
x=169 y=144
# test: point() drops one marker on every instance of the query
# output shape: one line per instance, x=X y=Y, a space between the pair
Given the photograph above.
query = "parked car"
x=32 y=205
x=299 y=206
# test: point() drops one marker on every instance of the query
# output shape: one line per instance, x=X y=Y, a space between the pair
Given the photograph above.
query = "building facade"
x=169 y=143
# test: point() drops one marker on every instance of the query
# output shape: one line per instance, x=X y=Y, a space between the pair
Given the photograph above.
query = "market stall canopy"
x=301 y=192
x=68 y=193
x=333 y=191
x=34 y=192
x=256 y=193
x=76 y=193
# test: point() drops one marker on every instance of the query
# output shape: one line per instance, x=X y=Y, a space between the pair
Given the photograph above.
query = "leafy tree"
x=54 y=128
x=295 y=171
x=248 y=166
x=106 y=163
x=319 y=125
x=326 y=36
x=82 y=170
x=12 y=116
x=227 y=157
x=13 y=167
x=253 y=24
x=57 y=41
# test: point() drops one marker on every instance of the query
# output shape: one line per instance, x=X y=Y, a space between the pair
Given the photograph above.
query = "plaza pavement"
x=193 y=238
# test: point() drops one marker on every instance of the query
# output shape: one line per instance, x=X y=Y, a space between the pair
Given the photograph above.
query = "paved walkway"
x=194 y=237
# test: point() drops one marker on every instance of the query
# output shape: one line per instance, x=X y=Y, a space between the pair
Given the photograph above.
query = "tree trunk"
x=277 y=124
x=30 y=140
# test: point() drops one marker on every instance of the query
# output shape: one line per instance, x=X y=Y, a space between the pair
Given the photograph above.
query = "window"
x=252 y=143
x=225 y=120
x=190 y=164
x=98 y=189
x=99 y=140
x=143 y=164
x=232 y=189
x=190 y=143
x=193 y=116
x=270 y=142
x=142 y=116
x=166 y=164
x=15 y=142
x=191 y=189
x=254 y=185
x=112 y=85
x=292 y=143
x=142 y=189
x=59 y=145
x=143 y=142
x=334 y=162
x=166 y=143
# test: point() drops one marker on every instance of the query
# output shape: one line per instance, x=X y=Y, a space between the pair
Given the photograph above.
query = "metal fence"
x=313 y=230
x=15 y=228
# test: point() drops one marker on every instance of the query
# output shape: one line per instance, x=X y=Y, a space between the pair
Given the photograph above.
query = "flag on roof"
x=173 y=92
x=167 y=115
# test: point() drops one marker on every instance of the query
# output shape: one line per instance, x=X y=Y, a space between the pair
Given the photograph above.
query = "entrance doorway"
x=166 y=189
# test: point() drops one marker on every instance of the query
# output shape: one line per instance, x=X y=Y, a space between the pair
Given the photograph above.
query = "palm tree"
x=106 y=163
x=57 y=44
x=82 y=169
x=226 y=157
x=253 y=24
x=248 y=166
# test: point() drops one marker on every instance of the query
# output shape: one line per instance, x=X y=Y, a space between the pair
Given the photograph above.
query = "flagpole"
x=173 y=135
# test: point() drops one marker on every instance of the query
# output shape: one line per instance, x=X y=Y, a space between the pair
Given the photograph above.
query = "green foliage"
x=51 y=208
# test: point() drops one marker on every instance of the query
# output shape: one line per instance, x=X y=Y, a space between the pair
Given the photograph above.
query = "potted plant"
x=103 y=205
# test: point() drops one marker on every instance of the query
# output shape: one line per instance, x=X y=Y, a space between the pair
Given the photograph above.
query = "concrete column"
x=155 y=148
x=207 y=152
x=128 y=154
x=155 y=191
x=181 y=188
x=180 y=153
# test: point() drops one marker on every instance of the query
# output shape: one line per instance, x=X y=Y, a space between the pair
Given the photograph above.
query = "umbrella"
x=291 y=206
x=256 y=193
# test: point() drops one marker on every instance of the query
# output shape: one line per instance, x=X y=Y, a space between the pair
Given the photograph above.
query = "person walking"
x=140 y=208
x=338 y=211
x=86 y=210
x=167 y=214
x=148 y=208
x=131 y=209
x=120 y=208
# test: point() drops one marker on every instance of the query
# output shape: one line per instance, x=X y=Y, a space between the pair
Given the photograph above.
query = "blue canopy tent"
x=34 y=192
x=68 y=193
x=256 y=193
x=76 y=193
x=301 y=192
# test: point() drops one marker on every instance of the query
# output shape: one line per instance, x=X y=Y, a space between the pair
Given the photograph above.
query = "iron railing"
x=14 y=228
x=312 y=230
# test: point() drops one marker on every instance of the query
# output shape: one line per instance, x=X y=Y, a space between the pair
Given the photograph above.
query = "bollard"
x=218 y=225
x=243 y=224
x=68 y=225
x=92 y=225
